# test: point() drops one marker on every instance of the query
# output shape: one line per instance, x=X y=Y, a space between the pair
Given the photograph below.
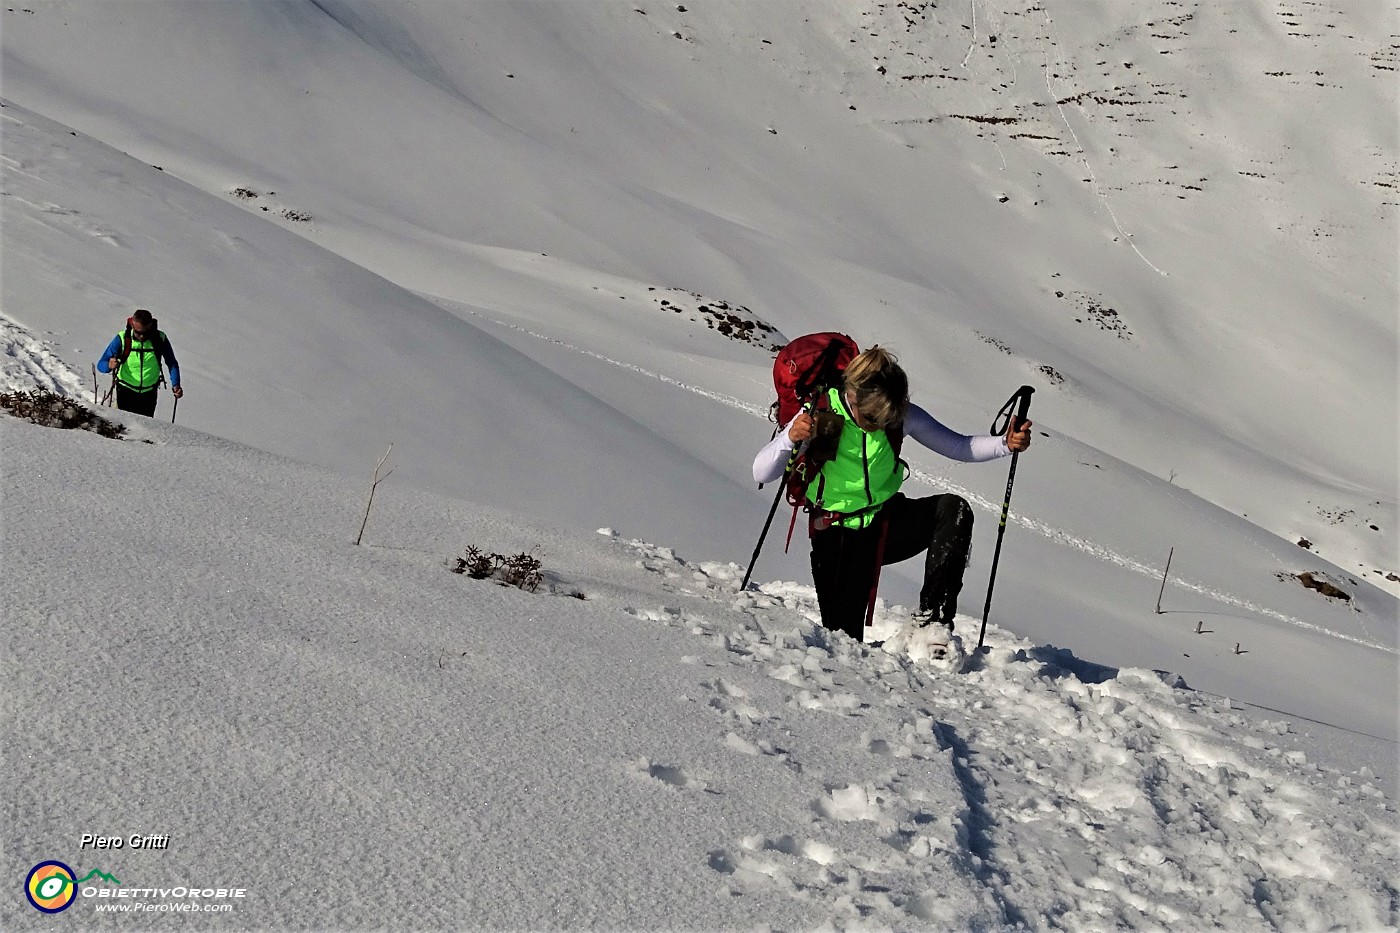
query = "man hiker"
x=135 y=356
x=860 y=520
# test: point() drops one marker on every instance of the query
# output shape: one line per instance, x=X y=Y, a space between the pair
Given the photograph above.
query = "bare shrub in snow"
x=55 y=411
x=522 y=570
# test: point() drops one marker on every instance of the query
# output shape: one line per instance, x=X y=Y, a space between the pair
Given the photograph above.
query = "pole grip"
x=1024 y=408
x=1021 y=401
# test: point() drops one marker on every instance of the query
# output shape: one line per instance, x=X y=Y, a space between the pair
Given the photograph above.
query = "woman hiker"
x=860 y=519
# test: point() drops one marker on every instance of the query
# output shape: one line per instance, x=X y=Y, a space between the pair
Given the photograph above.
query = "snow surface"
x=361 y=738
x=501 y=236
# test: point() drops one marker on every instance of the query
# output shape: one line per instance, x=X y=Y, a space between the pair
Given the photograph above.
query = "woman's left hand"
x=1018 y=436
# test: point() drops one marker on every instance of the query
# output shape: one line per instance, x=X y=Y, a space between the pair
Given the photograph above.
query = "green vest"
x=141 y=369
x=864 y=474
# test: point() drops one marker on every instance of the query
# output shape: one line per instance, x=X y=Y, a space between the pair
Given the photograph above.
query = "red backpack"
x=803 y=372
x=806 y=368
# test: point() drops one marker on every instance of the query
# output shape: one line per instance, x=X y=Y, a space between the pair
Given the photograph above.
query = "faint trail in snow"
x=705 y=393
x=991 y=137
x=973 y=44
x=997 y=145
x=1107 y=554
x=1172 y=494
x=1093 y=178
x=26 y=362
x=1043 y=529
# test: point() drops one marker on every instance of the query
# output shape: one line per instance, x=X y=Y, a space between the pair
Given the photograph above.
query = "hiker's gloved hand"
x=177 y=391
x=801 y=428
x=112 y=364
x=1018 y=436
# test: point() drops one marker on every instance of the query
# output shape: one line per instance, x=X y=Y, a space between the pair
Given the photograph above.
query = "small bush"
x=522 y=571
x=55 y=411
x=477 y=565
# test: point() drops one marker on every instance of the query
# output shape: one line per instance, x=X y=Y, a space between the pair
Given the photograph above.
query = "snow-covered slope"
x=1178 y=219
x=299 y=350
x=359 y=738
x=545 y=249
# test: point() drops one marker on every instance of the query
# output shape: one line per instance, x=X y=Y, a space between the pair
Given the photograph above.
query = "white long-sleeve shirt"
x=772 y=460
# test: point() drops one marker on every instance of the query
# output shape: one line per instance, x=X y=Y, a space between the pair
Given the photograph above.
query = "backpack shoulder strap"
x=822 y=372
x=157 y=341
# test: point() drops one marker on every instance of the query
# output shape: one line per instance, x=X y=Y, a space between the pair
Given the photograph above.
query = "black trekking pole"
x=782 y=485
x=1023 y=397
x=175 y=409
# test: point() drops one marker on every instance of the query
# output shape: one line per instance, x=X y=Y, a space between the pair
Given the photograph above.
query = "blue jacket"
x=114 y=348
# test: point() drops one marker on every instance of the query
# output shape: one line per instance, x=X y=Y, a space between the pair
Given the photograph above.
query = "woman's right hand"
x=802 y=428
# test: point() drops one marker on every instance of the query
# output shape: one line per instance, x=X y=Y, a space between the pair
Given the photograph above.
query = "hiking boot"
x=935 y=632
x=926 y=617
x=938 y=637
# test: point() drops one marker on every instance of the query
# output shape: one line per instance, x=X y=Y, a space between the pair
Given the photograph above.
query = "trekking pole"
x=782 y=485
x=1023 y=397
x=175 y=409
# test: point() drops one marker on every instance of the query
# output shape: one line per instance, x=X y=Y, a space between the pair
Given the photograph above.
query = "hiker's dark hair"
x=880 y=386
x=142 y=317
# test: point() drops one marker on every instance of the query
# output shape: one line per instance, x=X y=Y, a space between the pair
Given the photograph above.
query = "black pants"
x=844 y=560
x=133 y=400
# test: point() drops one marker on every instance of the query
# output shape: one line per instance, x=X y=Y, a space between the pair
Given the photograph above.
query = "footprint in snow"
x=809 y=849
x=850 y=804
x=735 y=742
x=736 y=708
x=671 y=775
x=664 y=614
